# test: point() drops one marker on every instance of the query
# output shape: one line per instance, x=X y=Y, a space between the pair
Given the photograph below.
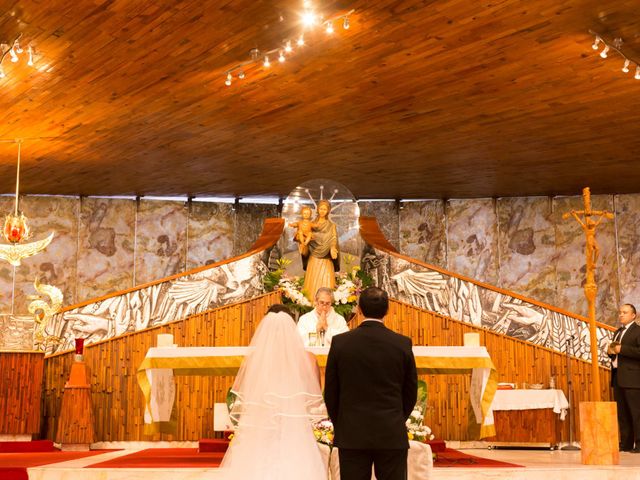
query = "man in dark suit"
x=370 y=391
x=624 y=352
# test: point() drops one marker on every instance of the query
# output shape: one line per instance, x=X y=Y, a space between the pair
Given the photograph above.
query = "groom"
x=370 y=390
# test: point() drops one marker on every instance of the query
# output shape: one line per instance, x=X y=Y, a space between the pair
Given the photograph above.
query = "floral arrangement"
x=415 y=429
x=349 y=284
x=323 y=431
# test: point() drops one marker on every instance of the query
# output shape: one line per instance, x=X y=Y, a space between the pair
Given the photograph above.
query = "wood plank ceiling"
x=418 y=99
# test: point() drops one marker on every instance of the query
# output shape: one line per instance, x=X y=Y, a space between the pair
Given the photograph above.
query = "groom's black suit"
x=370 y=390
x=625 y=381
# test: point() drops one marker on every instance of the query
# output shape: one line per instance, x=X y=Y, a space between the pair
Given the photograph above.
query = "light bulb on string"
x=281 y=57
x=241 y=74
x=345 y=24
x=309 y=18
x=329 y=28
x=287 y=47
x=17 y=47
x=596 y=42
x=14 y=57
x=604 y=52
x=637 y=75
x=2 y=75
x=300 y=41
x=227 y=82
x=266 y=63
x=625 y=68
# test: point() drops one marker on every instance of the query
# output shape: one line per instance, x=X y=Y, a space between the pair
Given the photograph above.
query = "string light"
x=13 y=50
x=615 y=46
x=625 y=68
x=309 y=18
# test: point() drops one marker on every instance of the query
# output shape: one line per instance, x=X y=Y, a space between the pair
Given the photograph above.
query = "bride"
x=277 y=386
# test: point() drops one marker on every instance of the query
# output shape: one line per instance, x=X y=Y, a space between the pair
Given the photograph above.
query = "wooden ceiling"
x=418 y=99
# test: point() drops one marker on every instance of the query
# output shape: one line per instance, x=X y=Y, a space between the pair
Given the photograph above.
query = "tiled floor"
x=539 y=465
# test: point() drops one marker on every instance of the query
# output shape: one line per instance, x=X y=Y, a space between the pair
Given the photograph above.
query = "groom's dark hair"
x=374 y=303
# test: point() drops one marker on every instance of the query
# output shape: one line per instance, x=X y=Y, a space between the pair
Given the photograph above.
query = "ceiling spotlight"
x=241 y=74
x=345 y=24
x=300 y=41
x=625 y=69
x=227 y=82
x=281 y=57
x=604 y=52
x=596 y=42
x=266 y=63
x=637 y=75
x=329 y=29
x=309 y=18
x=287 y=47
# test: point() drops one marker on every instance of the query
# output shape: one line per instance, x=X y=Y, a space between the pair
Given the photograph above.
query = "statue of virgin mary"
x=321 y=260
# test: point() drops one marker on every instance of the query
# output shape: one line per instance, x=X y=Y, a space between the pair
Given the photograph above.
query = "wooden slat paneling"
x=20 y=392
x=118 y=402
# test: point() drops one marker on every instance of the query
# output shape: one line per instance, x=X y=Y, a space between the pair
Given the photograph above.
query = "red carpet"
x=208 y=445
x=164 y=458
x=454 y=458
x=32 y=446
x=13 y=466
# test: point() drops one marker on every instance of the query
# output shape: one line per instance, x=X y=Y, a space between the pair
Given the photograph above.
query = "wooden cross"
x=589 y=219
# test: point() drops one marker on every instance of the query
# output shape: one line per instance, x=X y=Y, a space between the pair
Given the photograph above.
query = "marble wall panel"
x=249 y=221
x=387 y=215
x=472 y=239
x=526 y=242
x=106 y=246
x=211 y=231
x=627 y=209
x=6 y=269
x=57 y=264
x=422 y=231
x=570 y=267
x=161 y=240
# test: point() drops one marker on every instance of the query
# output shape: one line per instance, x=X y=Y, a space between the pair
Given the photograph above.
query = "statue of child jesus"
x=305 y=226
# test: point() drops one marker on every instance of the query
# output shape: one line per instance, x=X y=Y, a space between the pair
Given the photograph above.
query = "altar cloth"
x=156 y=372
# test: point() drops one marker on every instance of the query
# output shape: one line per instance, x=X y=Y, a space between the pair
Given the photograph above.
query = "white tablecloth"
x=531 y=400
x=155 y=376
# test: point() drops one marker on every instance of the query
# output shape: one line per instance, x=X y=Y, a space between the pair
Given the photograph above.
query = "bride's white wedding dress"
x=276 y=388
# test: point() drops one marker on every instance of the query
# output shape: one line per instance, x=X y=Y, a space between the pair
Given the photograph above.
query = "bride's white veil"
x=276 y=388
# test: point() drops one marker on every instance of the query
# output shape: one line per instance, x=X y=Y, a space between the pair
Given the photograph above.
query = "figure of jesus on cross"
x=589 y=219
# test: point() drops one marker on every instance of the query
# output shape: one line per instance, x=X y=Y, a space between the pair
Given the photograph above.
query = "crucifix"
x=589 y=219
